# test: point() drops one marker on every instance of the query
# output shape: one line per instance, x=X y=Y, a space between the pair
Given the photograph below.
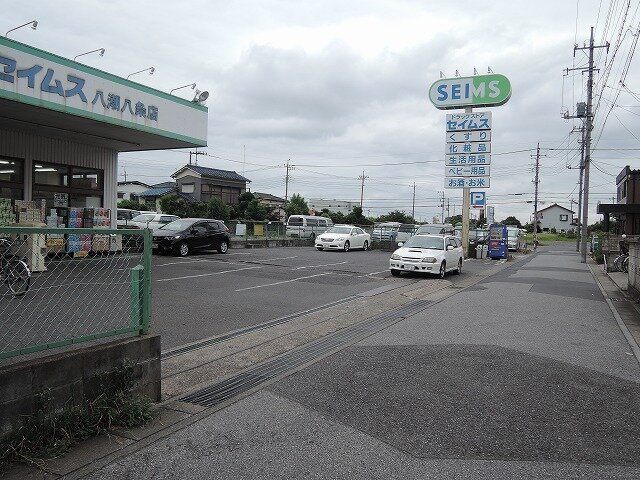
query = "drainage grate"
x=244 y=331
x=254 y=376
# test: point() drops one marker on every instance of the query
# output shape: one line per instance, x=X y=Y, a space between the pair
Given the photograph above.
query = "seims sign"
x=476 y=91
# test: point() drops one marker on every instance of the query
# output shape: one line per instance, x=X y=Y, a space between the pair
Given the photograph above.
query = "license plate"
x=154 y=245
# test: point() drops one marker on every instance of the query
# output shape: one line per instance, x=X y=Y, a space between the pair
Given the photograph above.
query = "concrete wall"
x=72 y=376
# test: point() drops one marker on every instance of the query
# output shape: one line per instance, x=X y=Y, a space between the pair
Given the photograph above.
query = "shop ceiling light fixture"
x=33 y=23
x=101 y=50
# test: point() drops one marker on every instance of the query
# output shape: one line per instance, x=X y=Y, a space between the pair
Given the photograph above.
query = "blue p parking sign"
x=478 y=199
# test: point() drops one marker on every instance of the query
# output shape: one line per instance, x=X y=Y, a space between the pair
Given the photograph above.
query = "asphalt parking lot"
x=210 y=294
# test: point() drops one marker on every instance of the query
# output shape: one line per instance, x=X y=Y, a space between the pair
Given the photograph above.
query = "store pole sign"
x=35 y=77
x=477 y=199
x=464 y=159
x=467 y=182
x=469 y=136
x=467 y=171
x=477 y=91
x=490 y=215
x=468 y=147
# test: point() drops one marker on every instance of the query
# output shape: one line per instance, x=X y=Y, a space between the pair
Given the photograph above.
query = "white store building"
x=63 y=123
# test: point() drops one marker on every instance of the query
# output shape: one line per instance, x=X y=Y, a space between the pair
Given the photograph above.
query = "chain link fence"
x=64 y=286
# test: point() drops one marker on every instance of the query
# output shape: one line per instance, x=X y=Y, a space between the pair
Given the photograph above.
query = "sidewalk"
x=526 y=374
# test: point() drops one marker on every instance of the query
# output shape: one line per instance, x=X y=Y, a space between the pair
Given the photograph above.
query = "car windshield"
x=429 y=229
x=177 y=225
x=143 y=217
x=339 y=230
x=512 y=233
x=433 y=243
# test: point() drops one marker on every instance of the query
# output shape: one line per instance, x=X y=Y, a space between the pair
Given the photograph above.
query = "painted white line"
x=199 y=261
x=280 y=283
x=376 y=273
x=206 y=274
x=272 y=259
x=316 y=266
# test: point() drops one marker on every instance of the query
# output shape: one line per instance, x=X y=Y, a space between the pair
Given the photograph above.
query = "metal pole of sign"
x=466 y=194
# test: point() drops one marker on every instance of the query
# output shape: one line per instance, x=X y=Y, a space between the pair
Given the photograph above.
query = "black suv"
x=187 y=234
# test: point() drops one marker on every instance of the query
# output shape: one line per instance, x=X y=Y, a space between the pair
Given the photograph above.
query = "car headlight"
x=429 y=259
x=176 y=237
x=396 y=257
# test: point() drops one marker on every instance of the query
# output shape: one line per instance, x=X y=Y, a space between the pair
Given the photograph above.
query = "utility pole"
x=196 y=153
x=286 y=181
x=535 y=198
x=448 y=207
x=362 y=177
x=413 y=205
x=579 y=229
x=441 y=207
x=587 y=140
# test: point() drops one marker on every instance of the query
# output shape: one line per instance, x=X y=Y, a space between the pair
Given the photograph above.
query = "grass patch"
x=551 y=237
x=50 y=432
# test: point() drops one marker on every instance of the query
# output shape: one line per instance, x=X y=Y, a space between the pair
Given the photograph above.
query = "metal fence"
x=83 y=284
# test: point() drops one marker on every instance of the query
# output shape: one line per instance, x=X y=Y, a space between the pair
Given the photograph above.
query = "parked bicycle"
x=621 y=262
x=13 y=271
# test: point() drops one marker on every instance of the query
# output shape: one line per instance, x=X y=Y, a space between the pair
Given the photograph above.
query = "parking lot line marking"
x=376 y=273
x=272 y=259
x=315 y=266
x=200 y=260
x=205 y=274
x=280 y=283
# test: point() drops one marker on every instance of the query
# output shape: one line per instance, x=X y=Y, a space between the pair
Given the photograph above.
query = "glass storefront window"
x=50 y=174
x=86 y=178
x=11 y=178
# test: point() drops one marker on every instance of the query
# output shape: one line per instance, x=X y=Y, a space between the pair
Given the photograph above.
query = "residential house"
x=130 y=190
x=204 y=183
x=555 y=217
x=627 y=209
x=273 y=203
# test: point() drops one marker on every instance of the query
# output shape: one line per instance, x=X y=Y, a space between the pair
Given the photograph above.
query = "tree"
x=256 y=210
x=217 y=209
x=238 y=211
x=174 y=205
x=357 y=218
x=396 y=216
x=512 y=221
x=297 y=206
x=132 y=205
x=455 y=220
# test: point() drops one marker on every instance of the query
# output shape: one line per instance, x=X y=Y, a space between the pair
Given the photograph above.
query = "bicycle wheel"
x=625 y=264
x=617 y=263
x=18 y=277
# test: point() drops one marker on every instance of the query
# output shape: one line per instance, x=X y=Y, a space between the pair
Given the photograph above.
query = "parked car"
x=435 y=254
x=436 y=229
x=185 y=235
x=152 y=220
x=307 y=226
x=125 y=215
x=343 y=237
x=515 y=239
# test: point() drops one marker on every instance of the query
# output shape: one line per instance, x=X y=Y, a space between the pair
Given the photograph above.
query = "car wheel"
x=346 y=246
x=183 y=249
x=395 y=273
x=224 y=247
x=365 y=246
x=319 y=248
x=459 y=269
x=443 y=269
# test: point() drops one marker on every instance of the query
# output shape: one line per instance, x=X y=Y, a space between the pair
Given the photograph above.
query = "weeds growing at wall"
x=50 y=432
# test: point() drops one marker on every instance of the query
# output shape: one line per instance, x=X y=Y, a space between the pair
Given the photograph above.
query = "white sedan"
x=436 y=254
x=343 y=237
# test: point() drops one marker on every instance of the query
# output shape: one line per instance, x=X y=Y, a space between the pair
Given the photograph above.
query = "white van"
x=516 y=240
x=307 y=226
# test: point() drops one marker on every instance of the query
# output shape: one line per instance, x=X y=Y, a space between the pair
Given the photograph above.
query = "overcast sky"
x=341 y=88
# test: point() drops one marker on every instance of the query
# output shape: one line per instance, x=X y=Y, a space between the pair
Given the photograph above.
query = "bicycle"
x=13 y=271
x=621 y=263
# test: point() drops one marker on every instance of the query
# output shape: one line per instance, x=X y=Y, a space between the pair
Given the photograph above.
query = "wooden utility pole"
x=535 y=197
x=362 y=177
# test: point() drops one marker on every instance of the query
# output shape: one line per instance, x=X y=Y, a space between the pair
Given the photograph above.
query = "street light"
x=33 y=23
x=101 y=50
x=192 y=85
x=151 y=70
